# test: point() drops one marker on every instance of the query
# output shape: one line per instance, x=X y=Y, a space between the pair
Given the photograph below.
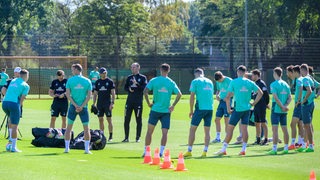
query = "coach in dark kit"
x=135 y=85
x=260 y=108
x=103 y=98
x=60 y=102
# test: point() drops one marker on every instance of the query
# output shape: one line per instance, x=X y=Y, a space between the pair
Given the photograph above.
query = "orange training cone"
x=180 y=165
x=147 y=156
x=312 y=175
x=156 y=157
x=167 y=161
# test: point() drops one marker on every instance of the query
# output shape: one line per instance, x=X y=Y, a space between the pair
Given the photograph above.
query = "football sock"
x=86 y=145
x=311 y=146
x=14 y=143
x=244 y=146
x=218 y=135
x=274 y=147
x=300 y=140
x=10 y=132
x=162 y=149
x=67 y=143
x=205 y=149
x=224 y=147
x=285 y=147
x=189 y=148
x=293 y=140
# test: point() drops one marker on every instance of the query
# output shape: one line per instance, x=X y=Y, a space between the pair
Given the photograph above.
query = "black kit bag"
x=98 y=140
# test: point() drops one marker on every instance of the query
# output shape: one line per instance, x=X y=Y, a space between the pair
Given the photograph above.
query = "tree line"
x=118 y=28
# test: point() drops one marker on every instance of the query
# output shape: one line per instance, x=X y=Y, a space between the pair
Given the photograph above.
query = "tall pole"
x=246 y=34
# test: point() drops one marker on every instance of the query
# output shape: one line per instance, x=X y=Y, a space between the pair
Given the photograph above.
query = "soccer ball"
x=59 y=135
x=50 y=134
x=9 y=147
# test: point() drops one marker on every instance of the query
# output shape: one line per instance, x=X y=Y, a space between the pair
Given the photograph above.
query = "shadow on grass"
x=46 y=154
x=128 y=157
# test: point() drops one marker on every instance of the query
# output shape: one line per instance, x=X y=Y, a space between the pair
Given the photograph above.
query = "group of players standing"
x=239 y=92
x=242 y=90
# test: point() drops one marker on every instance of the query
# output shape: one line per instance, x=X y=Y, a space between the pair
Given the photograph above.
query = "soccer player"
x=103 y=99
x=203 y=89
x=281 y=98
x=307 y=104
x=3 y=80
x=316 y=83
x=293 y=73
x=94 y=76
x=260 y=108
x=241 y=88
x=78 y=92
x=59 y=105
x=14 y=98
x=16 y=74
x=163 y=87
x=135 y=85
x=222 y=83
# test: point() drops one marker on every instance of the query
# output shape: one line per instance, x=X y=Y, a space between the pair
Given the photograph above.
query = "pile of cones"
x=167 y=163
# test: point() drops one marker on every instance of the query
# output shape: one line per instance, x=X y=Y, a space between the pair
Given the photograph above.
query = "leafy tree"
x=18 y=16
x=115 y=20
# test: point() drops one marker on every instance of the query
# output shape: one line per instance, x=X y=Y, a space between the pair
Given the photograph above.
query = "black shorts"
x=59 y=107
x=104 y=110
x=259 y=114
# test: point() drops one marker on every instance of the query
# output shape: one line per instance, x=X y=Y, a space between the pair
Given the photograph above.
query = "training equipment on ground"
x=9 y=147
x=312 y=175
x=180 y=165
x=156 y=157
x=50 y=133
x=167 y=164
x=147 y=156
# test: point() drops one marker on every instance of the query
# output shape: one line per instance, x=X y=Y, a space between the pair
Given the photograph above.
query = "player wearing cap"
x=16 y=74
x=135 y=85
x=16 y=94
x=103 y=98
x=60 y=102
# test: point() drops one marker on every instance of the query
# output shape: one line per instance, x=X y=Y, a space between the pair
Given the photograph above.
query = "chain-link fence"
x=211 y=53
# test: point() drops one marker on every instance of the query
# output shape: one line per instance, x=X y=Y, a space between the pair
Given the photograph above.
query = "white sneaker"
x=88 y=152
x=66 y=150
x=15 y=150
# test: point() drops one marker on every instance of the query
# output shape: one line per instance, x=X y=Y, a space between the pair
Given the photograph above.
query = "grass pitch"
x=123 y=160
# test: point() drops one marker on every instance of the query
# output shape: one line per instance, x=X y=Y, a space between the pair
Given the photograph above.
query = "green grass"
x=122 y=160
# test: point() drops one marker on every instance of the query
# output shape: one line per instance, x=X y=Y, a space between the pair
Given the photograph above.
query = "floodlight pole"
x=246 y=34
